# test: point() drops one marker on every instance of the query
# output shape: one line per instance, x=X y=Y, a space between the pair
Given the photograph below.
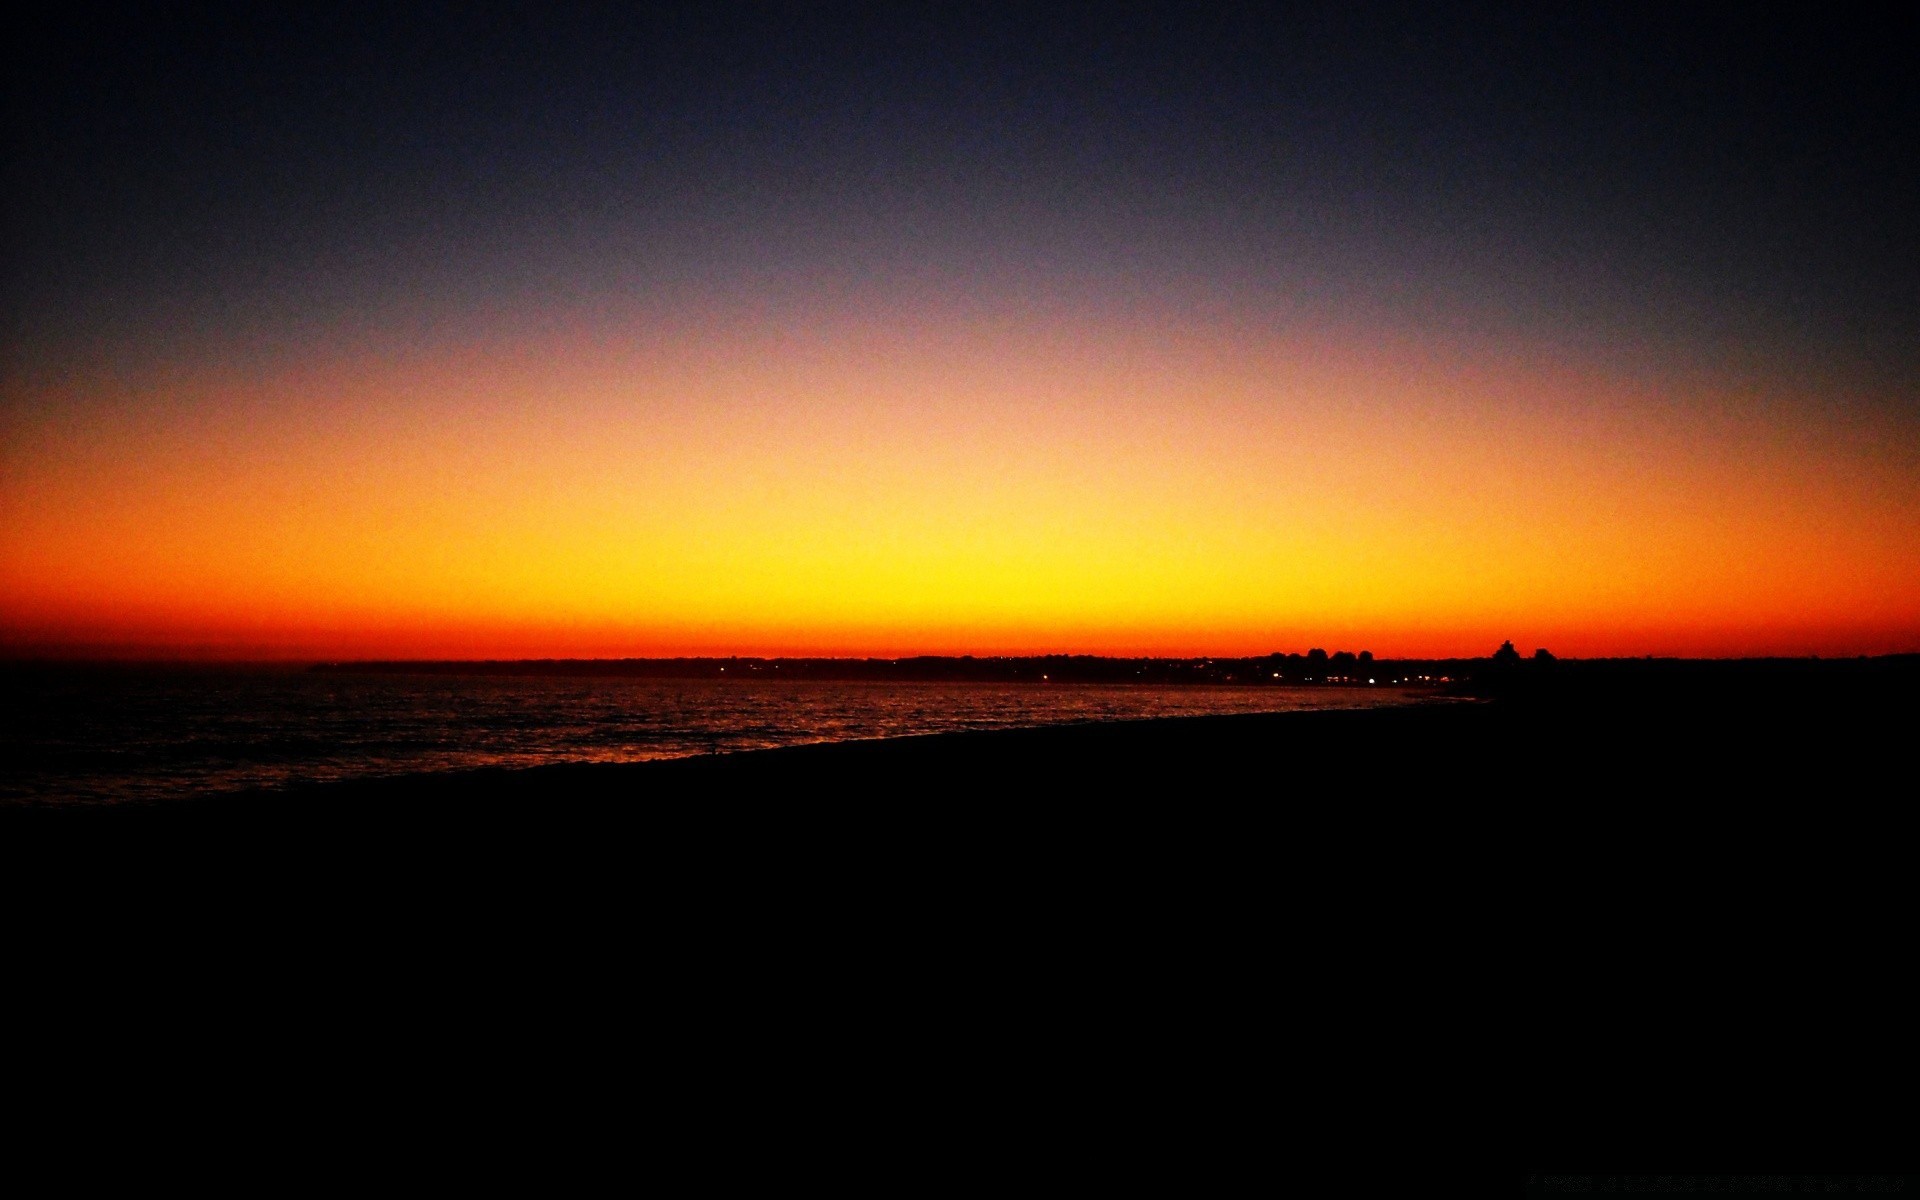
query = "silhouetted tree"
x=1366 y=658
x=1506 y=656
x=1542 y=656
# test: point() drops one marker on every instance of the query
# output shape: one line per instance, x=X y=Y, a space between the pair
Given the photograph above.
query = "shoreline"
x=1565 y=844
x=1508 y=742
x=1553 y=714
x=1046 y=748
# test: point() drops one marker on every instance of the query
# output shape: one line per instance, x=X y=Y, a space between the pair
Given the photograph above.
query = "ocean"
x=105 y=734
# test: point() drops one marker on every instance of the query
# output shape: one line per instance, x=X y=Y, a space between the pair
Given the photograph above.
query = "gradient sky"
x=474 y=332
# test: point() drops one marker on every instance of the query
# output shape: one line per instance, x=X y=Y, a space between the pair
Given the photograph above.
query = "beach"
x=1690 y=734
x=1336 y=898
x=1637 y=778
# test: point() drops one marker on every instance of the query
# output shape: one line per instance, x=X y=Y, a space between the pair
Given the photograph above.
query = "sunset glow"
x=945 y=438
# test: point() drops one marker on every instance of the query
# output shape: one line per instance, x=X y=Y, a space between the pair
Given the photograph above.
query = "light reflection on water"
x=103 y=734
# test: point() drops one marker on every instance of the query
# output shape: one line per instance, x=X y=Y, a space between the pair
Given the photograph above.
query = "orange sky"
x=1149 y=328
x=901 y=477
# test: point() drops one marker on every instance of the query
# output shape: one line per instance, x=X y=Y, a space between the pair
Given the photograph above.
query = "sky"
x=498 y=331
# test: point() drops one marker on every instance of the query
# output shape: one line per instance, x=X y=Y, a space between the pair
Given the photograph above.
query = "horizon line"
x=10 y=659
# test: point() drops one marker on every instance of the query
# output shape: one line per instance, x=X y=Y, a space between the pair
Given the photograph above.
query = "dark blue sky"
x=1672 y=179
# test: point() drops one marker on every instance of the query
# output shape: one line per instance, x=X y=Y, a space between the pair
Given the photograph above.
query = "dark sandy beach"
x=1350 y=903
x=1685 y=738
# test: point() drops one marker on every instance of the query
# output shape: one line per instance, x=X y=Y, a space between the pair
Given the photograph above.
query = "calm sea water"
x=109 y=734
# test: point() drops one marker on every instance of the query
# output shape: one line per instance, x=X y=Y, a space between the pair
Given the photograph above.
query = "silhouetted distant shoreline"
x=1503 y=670
x=1052 y=668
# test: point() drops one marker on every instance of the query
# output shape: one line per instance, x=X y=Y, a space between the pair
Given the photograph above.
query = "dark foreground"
x=1688 y=736
x=1642 y=763
x=1615 y=907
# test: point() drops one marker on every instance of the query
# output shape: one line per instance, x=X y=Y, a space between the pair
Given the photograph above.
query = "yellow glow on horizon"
x=901 y=483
